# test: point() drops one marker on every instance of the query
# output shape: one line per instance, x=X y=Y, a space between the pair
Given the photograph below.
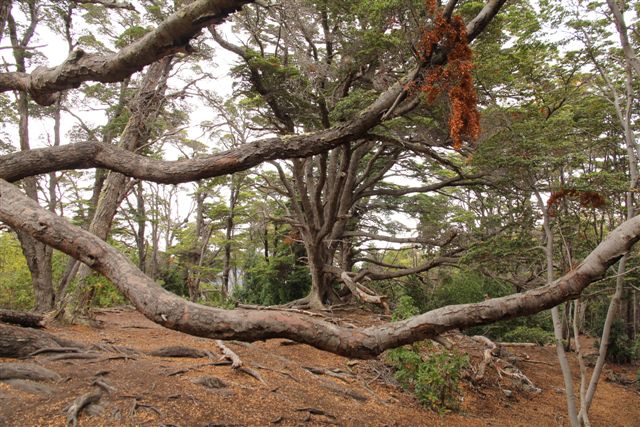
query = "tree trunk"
x=145 y=105
x=320 y=294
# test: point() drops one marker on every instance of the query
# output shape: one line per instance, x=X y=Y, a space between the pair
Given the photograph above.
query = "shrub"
x=529 y=334
x=621 y=348
x=435 y=378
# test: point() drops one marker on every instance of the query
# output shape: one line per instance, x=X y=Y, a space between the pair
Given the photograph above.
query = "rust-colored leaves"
x=453 y=77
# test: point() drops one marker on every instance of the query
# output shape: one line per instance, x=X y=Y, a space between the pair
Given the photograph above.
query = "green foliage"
x=534 y=334
x=276 y=281
x=434 y=378
x=15 y=281
x=404 y=309
x=106 y=294
x=130 y=35
x=348 y=107
x=621 y=348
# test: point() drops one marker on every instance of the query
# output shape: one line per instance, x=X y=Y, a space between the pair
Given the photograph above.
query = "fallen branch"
x=30 y=320
x=359 y=292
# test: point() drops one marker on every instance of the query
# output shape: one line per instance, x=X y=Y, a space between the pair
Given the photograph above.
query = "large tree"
x=439 y=68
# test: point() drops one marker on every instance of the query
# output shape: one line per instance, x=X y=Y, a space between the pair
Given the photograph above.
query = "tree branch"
x=110 y=4
x=171 y=36
x=171 y=311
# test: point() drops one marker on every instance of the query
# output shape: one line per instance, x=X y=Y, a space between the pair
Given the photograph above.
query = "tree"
x=174 y=33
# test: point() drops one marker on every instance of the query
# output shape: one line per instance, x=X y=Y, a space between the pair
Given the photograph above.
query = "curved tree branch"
x=16 y=166
x=171 y=36
x=171 y=311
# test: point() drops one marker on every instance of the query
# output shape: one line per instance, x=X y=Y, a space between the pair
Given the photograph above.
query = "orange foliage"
x=587 y=199
x=454 y=77
x=431 y=6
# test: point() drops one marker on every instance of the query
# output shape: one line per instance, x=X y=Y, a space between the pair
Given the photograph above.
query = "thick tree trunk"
x=321 y=293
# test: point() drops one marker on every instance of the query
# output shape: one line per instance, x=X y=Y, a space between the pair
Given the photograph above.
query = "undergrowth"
x=433 y=377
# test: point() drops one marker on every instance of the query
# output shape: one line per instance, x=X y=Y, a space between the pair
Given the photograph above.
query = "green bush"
x=277 y=281
x=621 y=348
x=405 y=308
x=434 y=379
x=16 y=292
x=529 y=334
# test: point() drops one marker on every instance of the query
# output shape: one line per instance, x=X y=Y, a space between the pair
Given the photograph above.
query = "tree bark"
x=21 y=342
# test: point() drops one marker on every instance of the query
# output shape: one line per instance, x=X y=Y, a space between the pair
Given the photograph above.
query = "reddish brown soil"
x=365 y=396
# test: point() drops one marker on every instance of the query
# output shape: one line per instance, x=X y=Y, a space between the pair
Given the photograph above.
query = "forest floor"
x=149 y=390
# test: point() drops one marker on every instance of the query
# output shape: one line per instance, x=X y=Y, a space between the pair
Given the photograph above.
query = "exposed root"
x=26 y=371
x=336 y=373
x=316 y=411
x=67 y=356
x=104 y=386
x=285 y=373
x=110 y=348
x=20 y=342
x=82 y=402
x=54 y=350
x=30 y=387
x=30 y=320
x=193 y=368
x=138 y=405
x=252 y=373
x=329 y=385
x=178 y=351
x=210 y=382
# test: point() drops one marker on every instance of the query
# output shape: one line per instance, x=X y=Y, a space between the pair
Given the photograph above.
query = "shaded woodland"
x=240 y=170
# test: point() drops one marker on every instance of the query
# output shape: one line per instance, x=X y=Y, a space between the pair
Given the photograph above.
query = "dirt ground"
x=148 y=390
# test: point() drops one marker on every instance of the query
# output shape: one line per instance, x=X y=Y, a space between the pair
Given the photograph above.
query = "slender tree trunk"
x=228 y=236
x=558 y=325
x=141 y=217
